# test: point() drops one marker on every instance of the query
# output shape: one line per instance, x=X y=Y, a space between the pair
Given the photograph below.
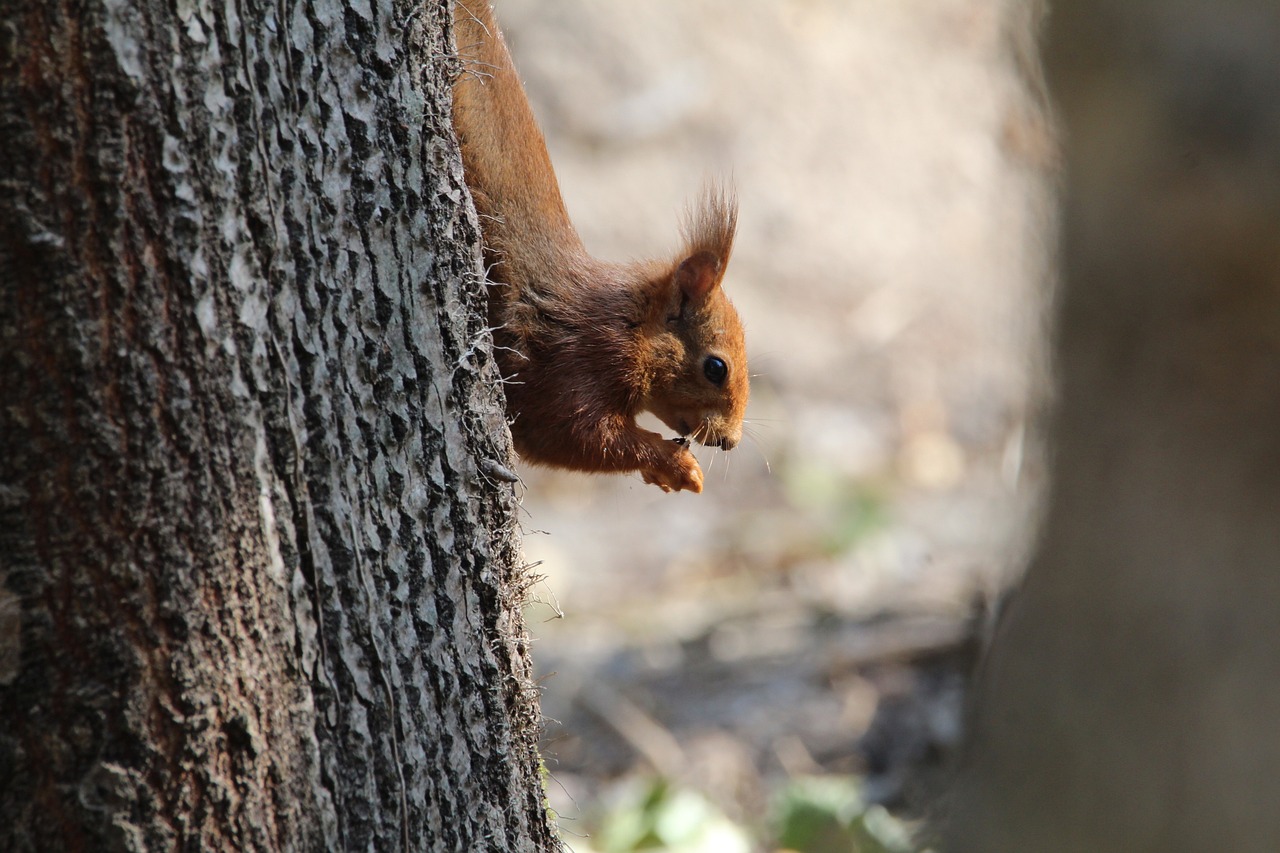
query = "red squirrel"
x=586 y=345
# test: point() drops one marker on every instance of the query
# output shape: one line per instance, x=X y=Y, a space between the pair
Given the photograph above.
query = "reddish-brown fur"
x=586 y=345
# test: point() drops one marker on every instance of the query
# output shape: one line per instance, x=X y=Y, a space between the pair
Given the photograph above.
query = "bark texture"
x=1131 y=700
x=259 y=585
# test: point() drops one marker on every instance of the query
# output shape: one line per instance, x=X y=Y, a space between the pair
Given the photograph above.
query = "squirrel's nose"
x=728 y=443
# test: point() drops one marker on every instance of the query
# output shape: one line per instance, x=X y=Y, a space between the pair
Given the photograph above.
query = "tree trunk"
x=259 y=585
x=1131 y=700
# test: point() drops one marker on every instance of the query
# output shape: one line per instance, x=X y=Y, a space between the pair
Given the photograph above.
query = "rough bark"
x=1131 y=699
x=259 y=585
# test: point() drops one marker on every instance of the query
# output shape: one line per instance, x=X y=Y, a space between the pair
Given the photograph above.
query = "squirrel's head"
x=703 y=391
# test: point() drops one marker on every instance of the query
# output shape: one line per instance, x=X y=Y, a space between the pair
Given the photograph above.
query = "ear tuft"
x=708 y=233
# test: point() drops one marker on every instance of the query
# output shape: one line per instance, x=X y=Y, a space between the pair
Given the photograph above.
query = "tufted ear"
x=698 y=275
x=709 y=231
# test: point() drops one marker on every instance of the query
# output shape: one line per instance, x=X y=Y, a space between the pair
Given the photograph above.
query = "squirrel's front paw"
x=680 y=473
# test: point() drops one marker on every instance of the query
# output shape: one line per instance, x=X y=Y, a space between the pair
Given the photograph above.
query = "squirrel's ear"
x=698 y=275
x=708 y=231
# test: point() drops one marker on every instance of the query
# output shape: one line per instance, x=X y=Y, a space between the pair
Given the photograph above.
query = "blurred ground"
x=890 y=170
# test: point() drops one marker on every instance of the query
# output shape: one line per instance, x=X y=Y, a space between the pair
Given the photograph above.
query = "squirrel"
x=585 y=345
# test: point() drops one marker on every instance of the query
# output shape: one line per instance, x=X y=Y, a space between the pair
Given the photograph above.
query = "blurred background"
x=770 y=663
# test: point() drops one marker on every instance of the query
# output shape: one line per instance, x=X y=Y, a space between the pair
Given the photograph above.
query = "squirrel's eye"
x=715 y=370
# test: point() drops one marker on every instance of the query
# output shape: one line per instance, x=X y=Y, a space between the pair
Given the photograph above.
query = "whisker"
x=752 y=433
x=760 y=449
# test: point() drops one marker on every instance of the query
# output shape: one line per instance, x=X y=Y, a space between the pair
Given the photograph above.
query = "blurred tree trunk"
x=1131 y=700
x=258 y=584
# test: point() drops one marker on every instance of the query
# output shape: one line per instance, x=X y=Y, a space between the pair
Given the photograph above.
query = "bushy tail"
x=503 y=150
